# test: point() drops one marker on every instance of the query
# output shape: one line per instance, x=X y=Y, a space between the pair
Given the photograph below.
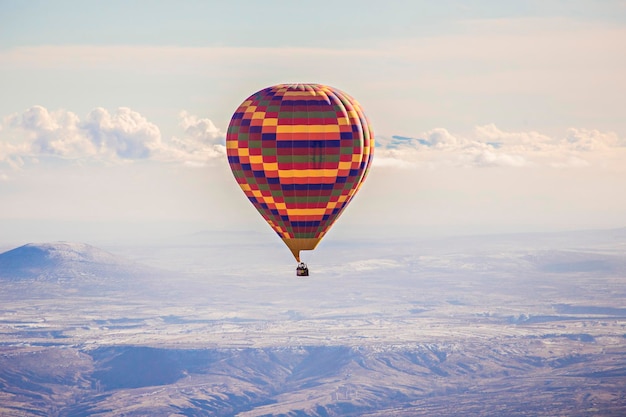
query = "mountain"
x=65 y=262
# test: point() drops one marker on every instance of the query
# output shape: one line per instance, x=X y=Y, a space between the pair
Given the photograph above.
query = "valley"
x=491 y=329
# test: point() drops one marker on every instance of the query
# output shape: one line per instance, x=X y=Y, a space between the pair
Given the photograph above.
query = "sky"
x=489 y=116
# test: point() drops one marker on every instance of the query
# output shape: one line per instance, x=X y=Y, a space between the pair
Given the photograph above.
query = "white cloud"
x=591 y=140
x=202 y=141
x=10 y=154
x=50 y=133
x=490 y=146
x=123 y=134
x=439 y=147
x=202 y=130
x=519 y=141
x=442 y=139
x=389 y=158
x=493 y=158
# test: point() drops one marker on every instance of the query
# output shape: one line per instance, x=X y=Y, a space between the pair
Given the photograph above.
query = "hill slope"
x=66 y=262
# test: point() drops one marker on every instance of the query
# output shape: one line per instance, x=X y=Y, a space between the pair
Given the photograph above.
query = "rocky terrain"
x=504 y=328
x=518 y=377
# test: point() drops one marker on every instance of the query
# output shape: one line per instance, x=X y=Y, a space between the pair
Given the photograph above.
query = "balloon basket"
x=302 y=270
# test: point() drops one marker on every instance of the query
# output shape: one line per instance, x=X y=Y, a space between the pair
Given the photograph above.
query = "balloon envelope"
x=300 y=153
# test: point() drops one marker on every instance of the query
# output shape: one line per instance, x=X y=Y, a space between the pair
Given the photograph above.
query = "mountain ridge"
x=53 y=260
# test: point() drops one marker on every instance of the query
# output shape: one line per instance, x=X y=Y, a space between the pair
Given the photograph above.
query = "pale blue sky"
x=274 y=23
x=214 y=23
x=490 y=116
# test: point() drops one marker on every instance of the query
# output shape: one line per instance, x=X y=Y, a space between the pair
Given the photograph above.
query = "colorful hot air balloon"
x=300 y=153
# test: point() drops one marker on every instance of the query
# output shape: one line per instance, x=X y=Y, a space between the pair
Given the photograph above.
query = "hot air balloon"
x=300 y=152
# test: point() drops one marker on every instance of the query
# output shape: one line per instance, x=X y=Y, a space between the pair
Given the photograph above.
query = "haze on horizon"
x=489 y=117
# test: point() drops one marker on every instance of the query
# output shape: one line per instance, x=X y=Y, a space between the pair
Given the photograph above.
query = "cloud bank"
x=126 y=135
x=489 y=146
x=121 y=135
